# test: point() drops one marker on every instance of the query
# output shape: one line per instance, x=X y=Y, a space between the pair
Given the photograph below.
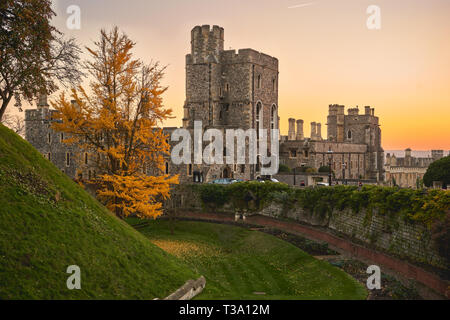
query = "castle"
x=352 y=147
x=226 y=89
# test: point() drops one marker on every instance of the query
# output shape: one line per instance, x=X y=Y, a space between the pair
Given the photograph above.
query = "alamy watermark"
x=374 y=281
x=73 y=22
x=374 y=20
x=74 y=280
x=230 y=146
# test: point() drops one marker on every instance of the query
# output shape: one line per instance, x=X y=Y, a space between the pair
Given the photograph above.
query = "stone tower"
x=226 y=89
x=360 y=129
x=229 y=89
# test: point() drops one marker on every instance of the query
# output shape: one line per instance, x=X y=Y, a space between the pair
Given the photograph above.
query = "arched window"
x=349 y=134
x=273 y=117
x=258 y=117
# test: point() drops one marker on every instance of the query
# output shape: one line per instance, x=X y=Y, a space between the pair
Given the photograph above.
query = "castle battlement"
x=206 y=43
x=41 y=114
x=353 y=111
x=207 y=46
x=335 y=109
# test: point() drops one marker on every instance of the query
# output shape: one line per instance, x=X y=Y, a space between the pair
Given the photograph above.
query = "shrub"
x=283 y=168
x=324 y=169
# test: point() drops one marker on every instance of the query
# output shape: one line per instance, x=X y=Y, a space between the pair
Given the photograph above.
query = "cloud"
x=302 y=5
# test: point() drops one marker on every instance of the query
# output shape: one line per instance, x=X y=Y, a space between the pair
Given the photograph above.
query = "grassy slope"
x=237 y=262
x=47 y=223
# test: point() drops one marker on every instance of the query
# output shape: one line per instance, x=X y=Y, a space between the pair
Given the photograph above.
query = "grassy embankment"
x=239 y=263
x=47 y=222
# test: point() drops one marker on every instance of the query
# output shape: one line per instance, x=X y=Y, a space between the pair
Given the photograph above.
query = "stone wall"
x=402 y=239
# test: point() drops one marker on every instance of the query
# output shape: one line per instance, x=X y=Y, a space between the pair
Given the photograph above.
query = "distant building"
x=408 y=171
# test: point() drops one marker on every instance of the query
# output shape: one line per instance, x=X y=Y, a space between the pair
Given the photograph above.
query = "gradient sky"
x=327 y=55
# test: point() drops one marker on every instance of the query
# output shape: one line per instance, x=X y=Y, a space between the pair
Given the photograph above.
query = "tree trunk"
x=3 y=107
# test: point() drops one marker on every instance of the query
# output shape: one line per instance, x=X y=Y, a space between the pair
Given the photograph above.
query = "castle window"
x=167 y=168
x=274 y=83
x=67 y=159
x=258 y=82
x=273 y=115
x=220 y=92
x=306 y=154
x=49 y=137
x=258 y=114
x=227 y=87
x=242 y=168
x=293 y=153
x=49 y=156
x=85 y=158
x=349 y=134
x=89 y=175
x=62 y=137
x=189 y=169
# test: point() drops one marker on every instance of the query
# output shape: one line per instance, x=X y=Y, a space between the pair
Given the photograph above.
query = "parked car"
x=264 y=179
x=322 y=184
x=224 y=181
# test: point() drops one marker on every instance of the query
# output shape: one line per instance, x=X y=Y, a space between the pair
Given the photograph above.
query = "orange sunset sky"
x=326 y=52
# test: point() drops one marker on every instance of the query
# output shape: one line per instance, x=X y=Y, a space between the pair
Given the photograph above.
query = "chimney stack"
x=300 y=130
x=291 y=132
x=313 y=131
x=319 y=131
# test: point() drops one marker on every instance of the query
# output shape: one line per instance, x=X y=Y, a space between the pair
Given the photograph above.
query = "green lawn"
x=47 y=222
x=238 y=262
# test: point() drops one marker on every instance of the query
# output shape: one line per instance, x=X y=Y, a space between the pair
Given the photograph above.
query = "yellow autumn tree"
x=118 y=124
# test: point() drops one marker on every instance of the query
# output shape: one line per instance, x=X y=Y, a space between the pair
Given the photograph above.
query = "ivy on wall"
x=423 y=206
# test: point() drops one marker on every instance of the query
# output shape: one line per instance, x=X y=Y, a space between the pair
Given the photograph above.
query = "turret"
x=42 y=101
x=206 y=43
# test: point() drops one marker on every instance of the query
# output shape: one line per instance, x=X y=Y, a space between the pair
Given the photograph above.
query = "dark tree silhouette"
x=34 y=57
x=439 y=170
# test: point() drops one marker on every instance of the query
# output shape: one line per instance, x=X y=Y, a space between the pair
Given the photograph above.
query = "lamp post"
x=330 y=158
